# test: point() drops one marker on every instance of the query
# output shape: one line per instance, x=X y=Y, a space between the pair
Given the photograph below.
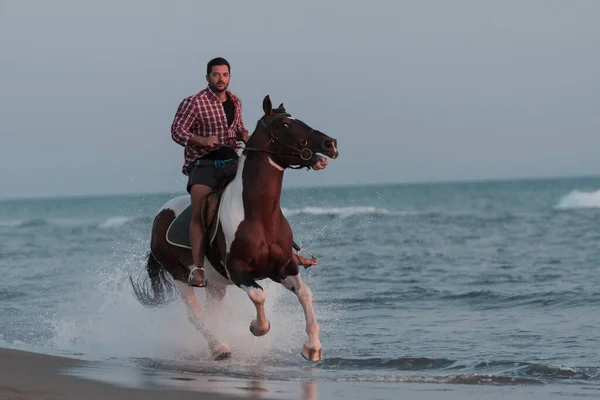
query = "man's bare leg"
x=197 y=235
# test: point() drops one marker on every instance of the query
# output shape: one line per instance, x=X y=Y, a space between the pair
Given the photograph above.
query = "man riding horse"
x=204 y=124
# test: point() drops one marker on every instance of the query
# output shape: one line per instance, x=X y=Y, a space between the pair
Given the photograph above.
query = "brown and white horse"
x=253 y=240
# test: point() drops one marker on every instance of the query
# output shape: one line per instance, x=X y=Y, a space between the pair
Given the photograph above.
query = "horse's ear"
x=267 y=106
x=281 y=108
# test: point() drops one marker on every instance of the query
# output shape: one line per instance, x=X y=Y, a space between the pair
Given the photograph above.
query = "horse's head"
x=291 y=142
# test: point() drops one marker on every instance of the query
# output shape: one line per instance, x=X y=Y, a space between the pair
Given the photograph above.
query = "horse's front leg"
x=242 y=278
x=312 y=348
x=196 y=317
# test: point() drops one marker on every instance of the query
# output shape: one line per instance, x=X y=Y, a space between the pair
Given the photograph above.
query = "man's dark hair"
x=216 y=61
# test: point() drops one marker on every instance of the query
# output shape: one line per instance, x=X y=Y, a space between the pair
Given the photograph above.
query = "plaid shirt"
x=203 y=114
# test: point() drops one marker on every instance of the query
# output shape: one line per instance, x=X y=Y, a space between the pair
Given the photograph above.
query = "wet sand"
x=26 y=376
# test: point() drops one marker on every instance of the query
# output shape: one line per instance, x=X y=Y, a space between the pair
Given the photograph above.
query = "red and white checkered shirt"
x=203 y=114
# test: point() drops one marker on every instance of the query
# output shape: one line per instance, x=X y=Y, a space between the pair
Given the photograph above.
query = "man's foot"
x=306 y=262
x=197 y=277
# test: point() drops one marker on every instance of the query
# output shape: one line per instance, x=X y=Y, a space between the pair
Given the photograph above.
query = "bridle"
x=299 y=149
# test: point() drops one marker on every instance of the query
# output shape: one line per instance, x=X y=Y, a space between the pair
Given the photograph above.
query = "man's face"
x=218 y=79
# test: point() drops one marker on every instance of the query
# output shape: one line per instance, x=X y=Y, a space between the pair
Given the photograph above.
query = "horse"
x=250 y=240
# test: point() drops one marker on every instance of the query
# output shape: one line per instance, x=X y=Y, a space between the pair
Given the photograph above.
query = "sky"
x=412 y=90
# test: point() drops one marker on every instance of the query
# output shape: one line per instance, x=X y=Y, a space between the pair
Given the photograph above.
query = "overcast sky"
x=413 y=90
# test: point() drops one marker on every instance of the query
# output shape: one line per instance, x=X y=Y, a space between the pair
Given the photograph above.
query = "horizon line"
x=383 y=183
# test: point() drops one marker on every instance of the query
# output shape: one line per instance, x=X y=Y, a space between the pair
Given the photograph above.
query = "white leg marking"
x=196 y=315
x=260 y=326
x=312 y=347
x=214 y=301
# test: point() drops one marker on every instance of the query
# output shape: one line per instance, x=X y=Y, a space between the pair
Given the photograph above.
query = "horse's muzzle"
x=330 y=148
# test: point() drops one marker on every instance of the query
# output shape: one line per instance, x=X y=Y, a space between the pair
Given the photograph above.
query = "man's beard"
x=216 y=89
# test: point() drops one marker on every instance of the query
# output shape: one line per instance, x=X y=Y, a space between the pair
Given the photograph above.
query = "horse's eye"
x=286 y=126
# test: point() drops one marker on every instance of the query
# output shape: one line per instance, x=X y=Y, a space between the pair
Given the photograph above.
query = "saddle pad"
x=178 y=233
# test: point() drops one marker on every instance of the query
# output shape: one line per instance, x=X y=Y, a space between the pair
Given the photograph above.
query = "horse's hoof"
x=256 y=332
x=222 y=353
x=222 y=356
x=312 y=354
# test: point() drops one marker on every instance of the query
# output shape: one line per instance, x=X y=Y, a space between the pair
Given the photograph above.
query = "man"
x=202 y=123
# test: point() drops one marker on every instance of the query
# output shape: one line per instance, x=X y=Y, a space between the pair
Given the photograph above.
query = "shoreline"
x=25 y=375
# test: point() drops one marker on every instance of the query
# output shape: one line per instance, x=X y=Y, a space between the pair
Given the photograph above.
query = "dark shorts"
x=211 y=176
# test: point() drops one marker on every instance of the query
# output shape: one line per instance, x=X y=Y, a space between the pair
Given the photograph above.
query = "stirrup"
x=299 y=249
x=307 y=252
x=191 y=278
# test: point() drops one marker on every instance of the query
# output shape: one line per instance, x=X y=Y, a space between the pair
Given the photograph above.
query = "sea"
x=487 y=289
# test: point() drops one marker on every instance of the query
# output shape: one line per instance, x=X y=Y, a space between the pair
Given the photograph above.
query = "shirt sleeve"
x=186 y=117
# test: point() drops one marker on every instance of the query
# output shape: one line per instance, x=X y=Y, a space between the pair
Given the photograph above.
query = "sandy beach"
x=25 y=375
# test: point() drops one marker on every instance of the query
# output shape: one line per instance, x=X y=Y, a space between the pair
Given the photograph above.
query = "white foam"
x=111 y=222
x=580 y=199
x=340 y=211
x=11 y=223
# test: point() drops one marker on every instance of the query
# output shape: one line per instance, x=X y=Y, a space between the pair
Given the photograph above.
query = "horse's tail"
x=160 y=290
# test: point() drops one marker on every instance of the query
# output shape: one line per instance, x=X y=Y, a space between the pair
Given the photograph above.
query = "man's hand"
x=200 y=141
x=243 y=136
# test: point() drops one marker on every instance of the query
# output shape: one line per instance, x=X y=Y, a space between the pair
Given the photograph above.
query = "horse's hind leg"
x=196 y=317
x=312 y=348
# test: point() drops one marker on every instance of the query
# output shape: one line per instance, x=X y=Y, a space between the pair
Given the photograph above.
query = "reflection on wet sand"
x=127 y=376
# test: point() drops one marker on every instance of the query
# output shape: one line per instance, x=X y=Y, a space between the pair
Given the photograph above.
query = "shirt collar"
x=215 y=95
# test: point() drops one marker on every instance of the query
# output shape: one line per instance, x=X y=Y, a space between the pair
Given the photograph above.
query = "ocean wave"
x=33 y=223
x=478 y=299
x=463 y=379
x=335 y=211
x=466 y=372
x=487 y=299
x=579 y=199
x=6 y=295
x=108 y=223
x=25 y=223
x=400 y=370
x=403 y=364
x=562 y=372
